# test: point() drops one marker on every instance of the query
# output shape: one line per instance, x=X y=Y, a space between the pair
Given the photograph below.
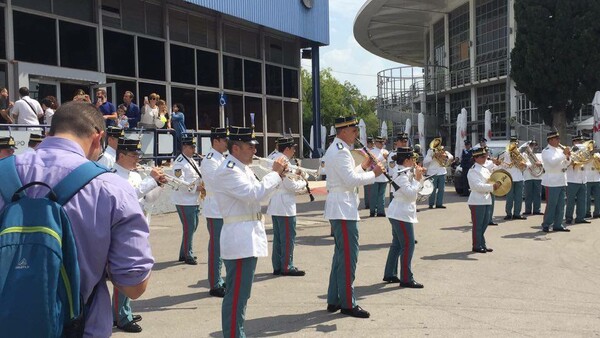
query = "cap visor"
x=253 y=142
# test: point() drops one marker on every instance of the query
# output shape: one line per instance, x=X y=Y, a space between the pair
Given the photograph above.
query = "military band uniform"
x=490 y=166
x=438 y=172
x=187 y=204
x=480 y=203
x=367 y=188
x=377 y=199
x=214 y=220
x=402 y=213
x=393 y=172
x=593 y=190
x=243 y=237
x=514 y=198
x=282 y=208
x=554 y=181
x=576 y=193
x=341 y=209
x=109 y=157
x=533 y=190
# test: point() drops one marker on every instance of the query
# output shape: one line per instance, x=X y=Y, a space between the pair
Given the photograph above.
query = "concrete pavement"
x=533 y=284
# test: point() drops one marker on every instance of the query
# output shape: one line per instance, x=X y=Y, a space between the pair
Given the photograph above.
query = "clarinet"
x=312 y=198
x=374 y=160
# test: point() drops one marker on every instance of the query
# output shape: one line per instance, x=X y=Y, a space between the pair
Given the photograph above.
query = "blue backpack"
x=39 y=271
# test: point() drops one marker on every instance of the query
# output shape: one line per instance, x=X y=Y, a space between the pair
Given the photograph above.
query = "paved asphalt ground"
x=534 y=284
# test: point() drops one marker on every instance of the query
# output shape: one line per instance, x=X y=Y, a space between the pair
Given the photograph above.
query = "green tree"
x=556 y=59
x=337 y=99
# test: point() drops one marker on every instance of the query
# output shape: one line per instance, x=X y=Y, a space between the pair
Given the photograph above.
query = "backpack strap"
x=76 y=180
x=11 y=181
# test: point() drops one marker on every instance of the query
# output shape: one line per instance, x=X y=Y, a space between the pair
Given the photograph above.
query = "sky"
x=347 y=59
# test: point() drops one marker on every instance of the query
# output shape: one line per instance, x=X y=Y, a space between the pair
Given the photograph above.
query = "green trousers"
x=188 y=214
x=576 y=193
x=533 y=196
x=284 y=238
x=403 y=245
x=555 y=207
x=240 y=273
x=593 y=190
x=122 y=313
x=215 y=262
x=343 y=265
x=480 y=219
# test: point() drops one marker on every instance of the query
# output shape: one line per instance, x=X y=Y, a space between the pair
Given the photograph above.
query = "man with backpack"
x=109 y=233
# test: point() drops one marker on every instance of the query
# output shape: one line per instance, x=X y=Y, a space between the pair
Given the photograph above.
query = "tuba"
x=516 y=158
x=596 y=163
x=536 y=169
x=439 y=154
x=582 y=153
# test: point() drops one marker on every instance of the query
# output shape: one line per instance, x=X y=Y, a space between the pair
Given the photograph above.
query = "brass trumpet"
x=293 y=170
x=174 y=182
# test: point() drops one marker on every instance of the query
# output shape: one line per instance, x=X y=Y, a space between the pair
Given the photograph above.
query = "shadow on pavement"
x=527 y=235
x=463 y=228
x=164 y=303
x=465 y=256
x=164 y=265
x=320 y=240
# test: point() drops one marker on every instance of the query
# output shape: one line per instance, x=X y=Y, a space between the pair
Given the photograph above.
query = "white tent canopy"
x=587 y=124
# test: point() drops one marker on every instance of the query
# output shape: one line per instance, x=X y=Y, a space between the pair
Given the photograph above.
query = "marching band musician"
x=402 y=214
x=34 y=141
x=401 y=141
x=214 y=220
x=593 y=189
x=367 y=188
x=438 y=172
x=576 y=187
x=7 y=146
x=490 y=164
x=187 y=200
x=532 y=185
x=282 y=208
x=341 y=209
x=377 y=200
x=480 y=200
x=109 y=156
x=243 y=236
x=127 y=158
x=556 y=161
x=514 y=198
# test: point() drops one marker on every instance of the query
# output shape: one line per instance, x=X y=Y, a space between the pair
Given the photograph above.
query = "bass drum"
x=425 y=191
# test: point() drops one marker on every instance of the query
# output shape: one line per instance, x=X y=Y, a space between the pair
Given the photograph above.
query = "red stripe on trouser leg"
x=474 y=221
x=185 y=232
x=116 y=303
x=211 y=249
x=286 y=260
x=347 y=264
x=236 y=295
x=404 y=273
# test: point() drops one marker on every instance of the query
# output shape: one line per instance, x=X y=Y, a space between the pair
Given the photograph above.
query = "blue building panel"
x=288 y=16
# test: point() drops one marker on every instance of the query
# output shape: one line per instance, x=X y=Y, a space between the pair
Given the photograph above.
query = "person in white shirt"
x=341 y=209
x=109 y=156
x=48 y=111
x=243 y=237
x=480 y=199
x=186 y=199
x=576 y=187
x=401 y=141
x=377 y=201
x=367 y=187
x=514 y=198
x=593 y=188
x=436 y=167
x=402 y=214
x=282 y=208
x=149 y=112
x=491 y=164
x=556 y=159
x=27 y=110
x=214 y=220
x=533 y=184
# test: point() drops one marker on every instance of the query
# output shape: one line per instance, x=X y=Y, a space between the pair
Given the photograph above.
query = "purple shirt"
x=108 y=224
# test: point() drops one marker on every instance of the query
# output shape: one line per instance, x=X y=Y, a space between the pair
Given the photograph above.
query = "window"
x=78 y=47
x=154 y=20
x=44 y=29
x=273 y=50
x=40 y=5
x=111 y=13
x=231 y=40
x=274 y=116
x=208 y=110
x=2 y=39
x=208 y=68
x=273 y=80
x=458 y=25
x=232 y=73
x=187 y=97
x=178 y=26
x=252 y=77
x=234 y=111
x=291 y=117
x=132 y=16
x=250 y=44
x=254 y=105
x=151 y=59
x=119 y=53
x=203 y=31
x=494 y=99
x=182 y=65
x=76 y=9
x=290 y=82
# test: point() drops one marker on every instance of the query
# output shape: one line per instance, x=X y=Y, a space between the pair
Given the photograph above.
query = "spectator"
x=122 y=119
x=48 y=110
x=5 y=106
x=132 y=110
x=27 y=110
x=106 y=108
x=113 y=238
x=178 y=123
x=150 y=112
x=163 y=114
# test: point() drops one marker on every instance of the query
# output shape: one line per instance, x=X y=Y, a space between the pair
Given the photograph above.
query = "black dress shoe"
x=568 y=220
x=519 y=217
x=293 y=272
x=545 y=230
x=191 y=261
x=333 y=308
x=392 y=279
x=440 y=207
x=538 y=213
x=431 y=207
x=182 y=259
x=135 y=318
x=588 y=216
x=357 y=312
x=276 y=272
x=380 y=215
x=583 y=221
x=217 y=292
x=492 y=223
x=527 y=213
x=130 y=327
x=480 y=250
x=562 y=229
x=507 y=217
x=372 y=214
x=411 y=284
x=488 y=249
x=596 y=216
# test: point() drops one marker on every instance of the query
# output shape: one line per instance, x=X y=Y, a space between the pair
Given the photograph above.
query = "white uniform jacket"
x=527 y=176
x=183 y=170
x=591 y=173
x=208 y=168
x=109 y=157
x=577 y=174
x=274 y=154
x=489 y=165
x=283 y=201
x=513 y=169
x=433 y=166
x=343 y=177
x=481 y=189
x=239 y=194
x=404 y=204
x=555 y=165
x=379 y=156
x=144 y=188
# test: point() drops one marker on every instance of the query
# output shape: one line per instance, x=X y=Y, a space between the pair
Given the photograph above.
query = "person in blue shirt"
x=133 y=110
x=107 y=108
x=178 y=123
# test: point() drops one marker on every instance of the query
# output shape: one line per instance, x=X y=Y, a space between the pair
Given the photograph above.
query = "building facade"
x=223 y=60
